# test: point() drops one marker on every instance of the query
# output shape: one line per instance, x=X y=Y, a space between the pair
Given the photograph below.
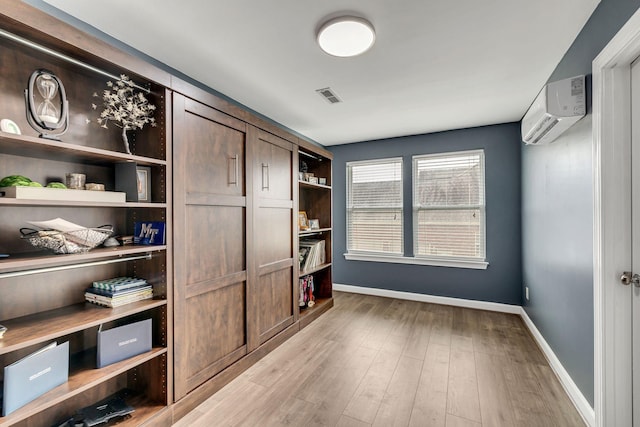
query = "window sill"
x=456 y=263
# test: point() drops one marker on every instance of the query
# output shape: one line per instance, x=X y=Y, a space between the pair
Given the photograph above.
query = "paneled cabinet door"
x=210 y=212
x=271 y=288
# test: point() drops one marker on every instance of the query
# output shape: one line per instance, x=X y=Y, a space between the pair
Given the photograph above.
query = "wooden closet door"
x=210 y=219
x=271 y=290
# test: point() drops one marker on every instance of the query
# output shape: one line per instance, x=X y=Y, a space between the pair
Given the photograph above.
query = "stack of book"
x=311 y=254
x=118 y=291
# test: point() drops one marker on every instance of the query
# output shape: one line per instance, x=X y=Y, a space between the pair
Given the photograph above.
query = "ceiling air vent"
x=329 y=95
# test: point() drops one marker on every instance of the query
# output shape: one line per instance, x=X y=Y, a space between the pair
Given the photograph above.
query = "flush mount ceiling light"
x=346 y=36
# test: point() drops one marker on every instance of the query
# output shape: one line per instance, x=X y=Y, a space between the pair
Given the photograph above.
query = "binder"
x=123 y=342
x=34 y=375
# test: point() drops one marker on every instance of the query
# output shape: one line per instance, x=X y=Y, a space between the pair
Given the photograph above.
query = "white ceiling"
x=436 y=65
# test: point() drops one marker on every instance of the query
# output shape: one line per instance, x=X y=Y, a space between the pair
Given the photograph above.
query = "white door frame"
x=612 y=217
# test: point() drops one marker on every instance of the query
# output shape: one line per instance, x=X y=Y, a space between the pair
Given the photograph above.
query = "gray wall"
x=501 y=281
x=557 y=215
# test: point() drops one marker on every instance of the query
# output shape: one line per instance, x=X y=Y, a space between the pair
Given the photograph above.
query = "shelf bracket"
x=147 y=256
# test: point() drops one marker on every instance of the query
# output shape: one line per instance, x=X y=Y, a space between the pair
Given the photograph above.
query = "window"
x=374 y=207
x=449 y=206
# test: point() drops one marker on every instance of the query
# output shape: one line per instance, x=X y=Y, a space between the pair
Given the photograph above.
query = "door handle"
x=628 y=278
x=232 y=171
x=265 y=176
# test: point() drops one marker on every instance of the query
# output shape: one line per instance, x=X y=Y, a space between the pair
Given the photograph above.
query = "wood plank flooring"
x=374 y=361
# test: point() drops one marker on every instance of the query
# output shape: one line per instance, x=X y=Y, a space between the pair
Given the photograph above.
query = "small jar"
x=75 y=181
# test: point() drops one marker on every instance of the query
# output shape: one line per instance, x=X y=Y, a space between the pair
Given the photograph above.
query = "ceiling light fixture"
x=346 y=36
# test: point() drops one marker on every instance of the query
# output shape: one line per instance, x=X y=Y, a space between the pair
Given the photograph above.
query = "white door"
x=635 y=233
x=616 y=129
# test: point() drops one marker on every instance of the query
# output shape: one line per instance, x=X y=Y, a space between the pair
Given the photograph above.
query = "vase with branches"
x=125 y=107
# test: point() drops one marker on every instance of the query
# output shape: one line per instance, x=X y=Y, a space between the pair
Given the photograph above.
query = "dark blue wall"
x=557 y=216
x=501 y=281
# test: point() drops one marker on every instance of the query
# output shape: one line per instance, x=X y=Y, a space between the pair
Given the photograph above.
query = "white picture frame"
x=143 y=175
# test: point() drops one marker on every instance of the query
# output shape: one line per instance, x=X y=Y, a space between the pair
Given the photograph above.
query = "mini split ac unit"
x=556 y=108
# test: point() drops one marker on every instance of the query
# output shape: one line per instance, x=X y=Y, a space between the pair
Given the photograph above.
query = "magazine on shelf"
x=303 y=253
x=311 y=253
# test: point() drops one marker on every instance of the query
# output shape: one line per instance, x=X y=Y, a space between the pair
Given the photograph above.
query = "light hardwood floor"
x=374 y=361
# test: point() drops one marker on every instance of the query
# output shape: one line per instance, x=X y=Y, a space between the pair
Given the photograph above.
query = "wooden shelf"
x=82 y=377
x=309 y=314
x=48 y=325
x=315 y=269
x=306 y=184
x=313 y=232
x=28 y=202
x=29 y=146
x=43 y=291
x=36 y=260
x=316 y=201
x=145 y=410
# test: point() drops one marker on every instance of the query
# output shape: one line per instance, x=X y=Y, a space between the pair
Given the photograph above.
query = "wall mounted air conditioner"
x=556 y=108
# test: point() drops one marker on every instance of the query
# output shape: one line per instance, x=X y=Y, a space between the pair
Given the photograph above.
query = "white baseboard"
x=576 y=396
x=457 y=302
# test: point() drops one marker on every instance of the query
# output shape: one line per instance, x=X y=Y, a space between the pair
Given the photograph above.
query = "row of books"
x=311 y=253
x=307 y=298
x=118 y=291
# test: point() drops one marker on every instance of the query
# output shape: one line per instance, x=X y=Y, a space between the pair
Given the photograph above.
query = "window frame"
x=450 y=261
x=359 y=254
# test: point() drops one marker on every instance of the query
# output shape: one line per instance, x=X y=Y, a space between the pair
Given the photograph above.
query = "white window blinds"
x=449 y=205
x=374 y=206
